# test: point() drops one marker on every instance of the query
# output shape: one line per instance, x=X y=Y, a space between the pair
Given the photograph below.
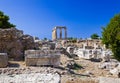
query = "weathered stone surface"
x=44 y=45
x=108 y=65
x=108 y=80
x=27 y=42
x=42 y=57
x=70 y=49
x=14 y=42
x=116 y=71
x=3 y=60
x=31 y=78
x=30 y=75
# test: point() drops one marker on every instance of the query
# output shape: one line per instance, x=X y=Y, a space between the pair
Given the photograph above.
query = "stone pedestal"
x=3 y=60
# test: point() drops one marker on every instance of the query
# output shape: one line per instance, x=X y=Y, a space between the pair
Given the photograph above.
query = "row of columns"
x=54 y=32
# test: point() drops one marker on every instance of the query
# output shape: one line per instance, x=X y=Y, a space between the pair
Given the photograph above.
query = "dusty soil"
x=88 y=66
x=86 y=74
x=89 y=71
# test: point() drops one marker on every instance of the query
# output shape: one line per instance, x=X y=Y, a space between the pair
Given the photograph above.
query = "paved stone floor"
x=30 y=78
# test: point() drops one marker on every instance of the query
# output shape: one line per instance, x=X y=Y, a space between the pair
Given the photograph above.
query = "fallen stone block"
x=42 y=58
x=3 y=60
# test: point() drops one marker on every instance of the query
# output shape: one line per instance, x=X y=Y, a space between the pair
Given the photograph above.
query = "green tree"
x=4 y=21
x=70 y=38
x=94 y=36
x=45 y=38
x=111 y=36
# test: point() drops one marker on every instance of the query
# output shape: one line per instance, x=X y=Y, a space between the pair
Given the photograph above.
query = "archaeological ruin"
x=60 y=57
x=14 y=43
x=42 y=58
x=55 y=31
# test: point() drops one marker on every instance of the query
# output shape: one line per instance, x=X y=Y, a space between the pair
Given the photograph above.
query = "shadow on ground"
x=13 y=65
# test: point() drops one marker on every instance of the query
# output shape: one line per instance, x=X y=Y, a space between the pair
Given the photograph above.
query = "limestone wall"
x=42 y=57
x=14 y=42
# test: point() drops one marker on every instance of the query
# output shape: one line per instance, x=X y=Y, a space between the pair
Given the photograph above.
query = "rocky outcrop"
x=14 y=42
x=27 y=42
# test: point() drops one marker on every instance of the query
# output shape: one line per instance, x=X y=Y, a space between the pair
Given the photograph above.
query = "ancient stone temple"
x=54 y=32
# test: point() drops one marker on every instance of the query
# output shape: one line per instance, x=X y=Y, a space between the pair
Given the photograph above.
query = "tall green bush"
x=111 y=36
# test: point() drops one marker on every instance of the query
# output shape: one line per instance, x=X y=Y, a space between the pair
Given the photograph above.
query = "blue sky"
x=81 y=17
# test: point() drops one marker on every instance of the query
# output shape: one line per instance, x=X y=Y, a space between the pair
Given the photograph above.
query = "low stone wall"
x=42 y=58
x=3 y=60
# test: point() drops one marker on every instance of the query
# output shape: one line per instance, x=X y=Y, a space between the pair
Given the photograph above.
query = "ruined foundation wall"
x=14 y=42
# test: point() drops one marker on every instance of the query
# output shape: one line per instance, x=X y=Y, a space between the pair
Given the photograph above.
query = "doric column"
x=52 y=34
x=65 y=33
x=56 y=33
x=60 y=33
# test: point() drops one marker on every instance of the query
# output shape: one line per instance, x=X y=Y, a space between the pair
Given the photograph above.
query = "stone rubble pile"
x=116 y=71
x=97 y=54
x=107 y=65
x=44 y=45
x=112 y=66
